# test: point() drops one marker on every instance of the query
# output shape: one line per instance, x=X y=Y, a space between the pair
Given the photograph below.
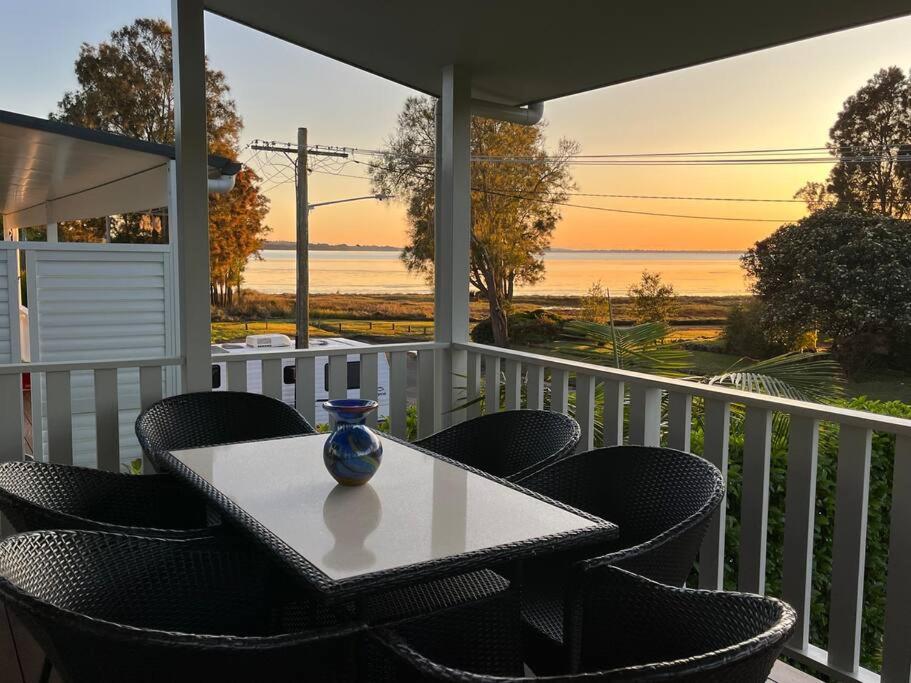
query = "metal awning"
x=534 y=50
x=52 y=172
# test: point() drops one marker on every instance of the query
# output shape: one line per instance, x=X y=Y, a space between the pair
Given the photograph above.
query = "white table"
x=421 y=516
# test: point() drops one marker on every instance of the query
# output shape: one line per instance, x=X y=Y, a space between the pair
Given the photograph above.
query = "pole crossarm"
x=288 y=148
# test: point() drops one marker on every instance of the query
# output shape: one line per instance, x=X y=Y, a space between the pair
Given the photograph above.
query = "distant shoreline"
x=283 y=245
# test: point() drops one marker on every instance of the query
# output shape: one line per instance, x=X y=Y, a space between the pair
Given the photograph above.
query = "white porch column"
x=452 y=237
x=192 y=200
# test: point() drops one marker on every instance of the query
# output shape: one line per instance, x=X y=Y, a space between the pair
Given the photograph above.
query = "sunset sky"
x=783 y=97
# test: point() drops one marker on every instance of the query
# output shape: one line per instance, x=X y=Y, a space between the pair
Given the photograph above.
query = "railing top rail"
x=70 y=366
x=818 y=411
x=284 y=352
x=83 y=246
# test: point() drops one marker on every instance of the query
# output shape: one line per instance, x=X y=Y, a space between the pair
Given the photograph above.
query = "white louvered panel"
x=99 y=305
x=9 y=309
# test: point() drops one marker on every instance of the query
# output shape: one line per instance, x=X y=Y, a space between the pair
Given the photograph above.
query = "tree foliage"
x=595 y=305
x=653 y=300
x=514 y=205
x=126 y=87
x=871 y=139
x=846 y=274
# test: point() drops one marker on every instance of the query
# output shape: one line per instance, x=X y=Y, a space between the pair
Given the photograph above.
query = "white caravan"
x=279 y=344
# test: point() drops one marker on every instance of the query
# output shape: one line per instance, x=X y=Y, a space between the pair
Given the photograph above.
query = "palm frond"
x=799 y=376
x=639 y=348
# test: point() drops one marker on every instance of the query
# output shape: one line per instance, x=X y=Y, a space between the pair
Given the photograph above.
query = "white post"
x=192 y=199
x=452 y=238
x=52 y=232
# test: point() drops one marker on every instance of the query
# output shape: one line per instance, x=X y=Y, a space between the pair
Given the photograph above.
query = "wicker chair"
x=662 y=501
x=111 y=607
x=36 y=496
x=108 y=606
x=208 y=418
x=634 y=629
x=511 y=444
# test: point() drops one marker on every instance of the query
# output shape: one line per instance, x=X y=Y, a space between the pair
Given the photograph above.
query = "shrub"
x=653 y=300
x=595 y=305
x=526 y=329
x=747 y=333
x=846 y=274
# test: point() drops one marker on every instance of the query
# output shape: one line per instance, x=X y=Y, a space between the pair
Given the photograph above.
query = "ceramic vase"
x=353 y=452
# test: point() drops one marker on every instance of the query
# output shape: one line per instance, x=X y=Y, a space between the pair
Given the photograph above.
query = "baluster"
x=800 y=510
x=849 y=542
x=338 y=377
x=237 y=375
x=491 y=384
x=513 y=384
x=679 y=420
x=272 y=377
x=754 y=503
x=534 y=383
x=107 y=420
x=585 y=411
x=398 y=407
x=369 y=383
x=559 y=391
x=11 y=427
x=644 y=415
x=711 y=553
x=305 y=387
x=613 y=412
x=474 y=385
x=59 y=418
x=150 y=391
x=426 y=392
x=897 y=638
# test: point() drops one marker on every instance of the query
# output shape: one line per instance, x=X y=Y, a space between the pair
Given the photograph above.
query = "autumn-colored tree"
x=871 y=139
x=126 y=87
x=513 y=203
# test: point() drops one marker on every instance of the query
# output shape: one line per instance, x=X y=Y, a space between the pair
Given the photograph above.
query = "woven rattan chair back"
x=36 y=496
x=638 y=630
x=208 y=418
x=660 y=498
x=509 y=444
x=111 y=607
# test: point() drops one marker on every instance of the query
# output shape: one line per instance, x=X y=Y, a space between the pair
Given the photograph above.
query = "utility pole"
x=302 y=307
x=301 y=152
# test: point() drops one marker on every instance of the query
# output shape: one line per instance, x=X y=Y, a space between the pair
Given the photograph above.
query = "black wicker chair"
x=509 y=444
x=110 y=607
x=35 y=496
x=660 y=498
x=208 y=418
x=633 y=629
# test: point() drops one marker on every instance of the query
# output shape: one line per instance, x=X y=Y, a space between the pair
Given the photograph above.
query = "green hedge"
x=878 y=518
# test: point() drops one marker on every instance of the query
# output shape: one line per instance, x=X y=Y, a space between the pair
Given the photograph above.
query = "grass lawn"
x=379 y=331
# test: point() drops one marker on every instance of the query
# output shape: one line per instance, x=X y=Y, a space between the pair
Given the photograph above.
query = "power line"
x=769 y=156
x=638 y=213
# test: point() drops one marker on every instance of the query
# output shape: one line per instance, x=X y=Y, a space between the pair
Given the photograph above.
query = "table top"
x=420 y=514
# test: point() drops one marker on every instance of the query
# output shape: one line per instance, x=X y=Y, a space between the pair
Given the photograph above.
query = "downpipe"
x=524 y=116
x=221 y=185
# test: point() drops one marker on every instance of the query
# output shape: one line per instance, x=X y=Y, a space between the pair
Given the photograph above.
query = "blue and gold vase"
x=352 y=453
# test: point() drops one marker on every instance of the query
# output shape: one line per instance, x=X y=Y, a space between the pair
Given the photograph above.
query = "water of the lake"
x=567 y=273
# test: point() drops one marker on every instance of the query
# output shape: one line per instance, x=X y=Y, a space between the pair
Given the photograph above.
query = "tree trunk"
x=498 y=322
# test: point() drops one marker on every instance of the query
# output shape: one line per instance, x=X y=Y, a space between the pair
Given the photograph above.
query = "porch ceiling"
x=44 y=162
x=521 y=52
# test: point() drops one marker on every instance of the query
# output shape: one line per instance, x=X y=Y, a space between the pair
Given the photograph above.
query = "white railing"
x=637 y=409
x=59 y=413
x=644 y=426
x=305 y=378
